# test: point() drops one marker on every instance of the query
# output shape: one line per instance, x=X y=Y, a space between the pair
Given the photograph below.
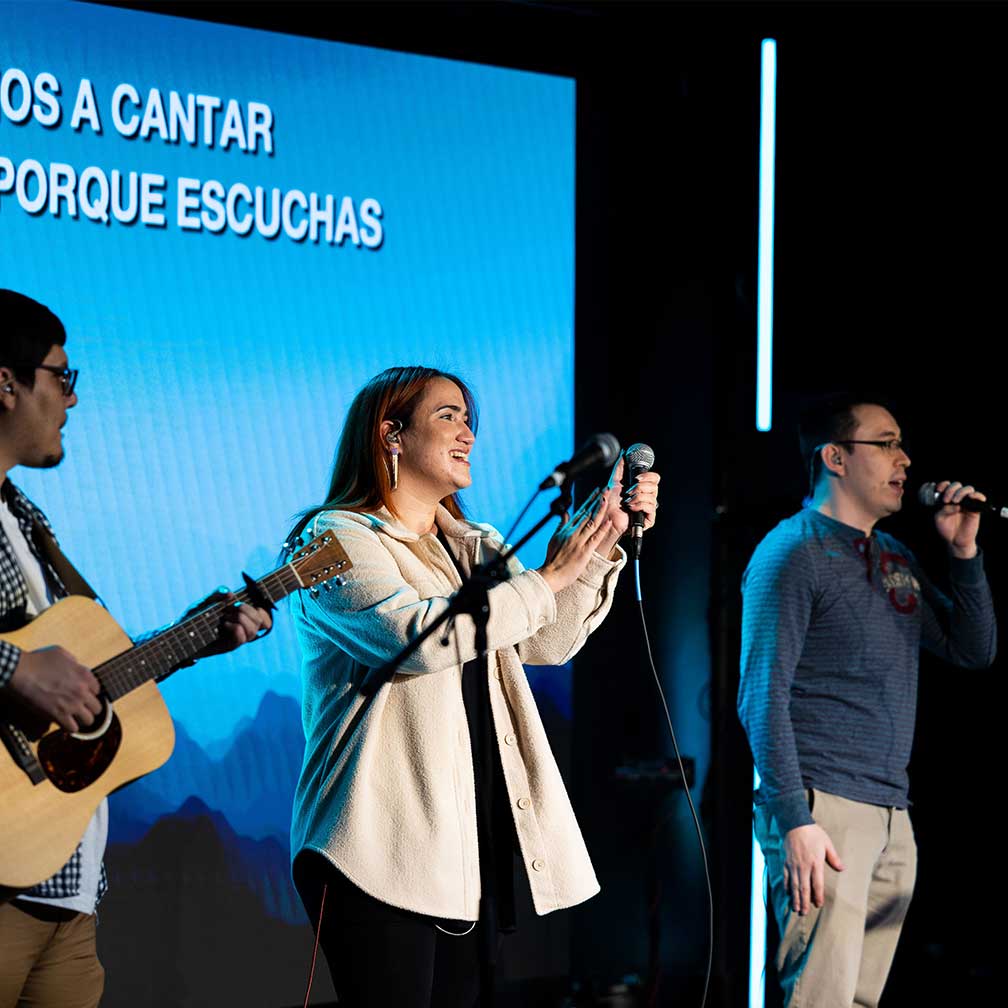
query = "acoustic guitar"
x=51 y=780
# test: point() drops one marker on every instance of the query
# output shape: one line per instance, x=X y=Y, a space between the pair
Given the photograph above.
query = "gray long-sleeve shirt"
x=832 y=625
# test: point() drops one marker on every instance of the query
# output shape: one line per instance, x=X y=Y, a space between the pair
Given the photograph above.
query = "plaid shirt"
x=13 y=600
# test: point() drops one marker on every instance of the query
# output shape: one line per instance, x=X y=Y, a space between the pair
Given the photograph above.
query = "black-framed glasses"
x=893 y=445
x=66 y=375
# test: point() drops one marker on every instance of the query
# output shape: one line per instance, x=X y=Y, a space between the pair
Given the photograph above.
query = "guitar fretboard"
x=157 y=657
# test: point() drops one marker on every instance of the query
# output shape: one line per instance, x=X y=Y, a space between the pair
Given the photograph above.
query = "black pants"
x=383 y=957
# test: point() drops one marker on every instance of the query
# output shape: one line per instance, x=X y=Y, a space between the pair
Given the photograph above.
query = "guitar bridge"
x=21 y=752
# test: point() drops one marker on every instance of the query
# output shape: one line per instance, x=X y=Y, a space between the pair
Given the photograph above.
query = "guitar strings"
x=154 y=659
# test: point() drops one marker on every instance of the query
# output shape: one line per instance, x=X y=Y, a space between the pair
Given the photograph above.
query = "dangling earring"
x=394 y=480
x=393 y=442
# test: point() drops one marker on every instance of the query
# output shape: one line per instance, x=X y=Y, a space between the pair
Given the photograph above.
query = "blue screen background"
x=216 y=369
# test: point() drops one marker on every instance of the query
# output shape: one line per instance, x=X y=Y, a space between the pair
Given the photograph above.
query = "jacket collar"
x=386 y=522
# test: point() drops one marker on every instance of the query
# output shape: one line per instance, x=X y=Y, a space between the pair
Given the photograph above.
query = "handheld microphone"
x=638 y=458
x=598 y=450
x=930 y=497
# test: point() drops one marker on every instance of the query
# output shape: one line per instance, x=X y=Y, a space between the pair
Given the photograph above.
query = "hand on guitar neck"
x=243 y=623
x=240 y=623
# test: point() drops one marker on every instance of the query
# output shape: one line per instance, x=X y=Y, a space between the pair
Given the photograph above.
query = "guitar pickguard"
x=72 y=763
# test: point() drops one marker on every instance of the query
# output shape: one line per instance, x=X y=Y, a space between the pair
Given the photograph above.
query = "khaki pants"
x=48 y=958
x=838 y=956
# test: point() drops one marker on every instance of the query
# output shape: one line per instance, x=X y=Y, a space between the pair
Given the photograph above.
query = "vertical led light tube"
x=764 y=405
x=765 y=254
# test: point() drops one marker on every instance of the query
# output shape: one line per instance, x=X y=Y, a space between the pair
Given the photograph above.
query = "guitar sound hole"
x=72 y=762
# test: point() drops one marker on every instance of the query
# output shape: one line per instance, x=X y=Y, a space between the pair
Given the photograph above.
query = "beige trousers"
x=838 y=956
x=48 y=963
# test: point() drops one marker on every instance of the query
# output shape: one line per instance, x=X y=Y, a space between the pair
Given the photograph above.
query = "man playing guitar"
x=47 y=934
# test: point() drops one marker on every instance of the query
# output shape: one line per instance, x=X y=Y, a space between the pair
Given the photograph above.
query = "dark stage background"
x=889 y=262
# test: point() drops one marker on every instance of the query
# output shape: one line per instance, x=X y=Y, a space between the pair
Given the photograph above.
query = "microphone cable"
x=689 y=797
x=314 y=956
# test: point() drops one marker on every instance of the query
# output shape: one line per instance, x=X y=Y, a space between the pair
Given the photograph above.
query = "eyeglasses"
x=892 y=446
x=67 y=376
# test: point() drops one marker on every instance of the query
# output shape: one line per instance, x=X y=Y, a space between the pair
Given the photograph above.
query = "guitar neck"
x=156 y=657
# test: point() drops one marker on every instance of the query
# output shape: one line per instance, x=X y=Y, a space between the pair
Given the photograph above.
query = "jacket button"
x=510 y=739
x=538 y=864
x=524 y=803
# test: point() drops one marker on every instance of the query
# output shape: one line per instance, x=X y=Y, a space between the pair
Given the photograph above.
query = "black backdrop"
x=889 y=255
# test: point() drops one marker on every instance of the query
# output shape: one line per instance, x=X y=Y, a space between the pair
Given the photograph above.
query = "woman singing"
x=408 y=817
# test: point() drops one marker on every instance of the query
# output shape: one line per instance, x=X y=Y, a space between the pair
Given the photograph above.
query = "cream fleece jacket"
x=393 y=808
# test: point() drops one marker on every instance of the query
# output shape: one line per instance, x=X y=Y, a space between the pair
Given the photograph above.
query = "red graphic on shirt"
x=898 y=582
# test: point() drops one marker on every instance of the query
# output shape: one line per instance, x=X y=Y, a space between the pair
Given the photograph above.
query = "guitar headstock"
x=320 y=561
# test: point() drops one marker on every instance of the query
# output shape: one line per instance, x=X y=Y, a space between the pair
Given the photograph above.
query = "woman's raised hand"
x=577 y=539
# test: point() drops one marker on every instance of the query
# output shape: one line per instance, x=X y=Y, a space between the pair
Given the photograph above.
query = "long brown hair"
x=360 y=478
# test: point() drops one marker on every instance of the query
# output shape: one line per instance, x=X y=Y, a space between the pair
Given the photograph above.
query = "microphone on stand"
x=929 y=496
x=598 y=450
x=638 y=458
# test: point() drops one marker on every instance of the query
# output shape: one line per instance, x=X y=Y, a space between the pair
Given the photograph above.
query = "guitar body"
x=52 y=781
x=42 y=822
